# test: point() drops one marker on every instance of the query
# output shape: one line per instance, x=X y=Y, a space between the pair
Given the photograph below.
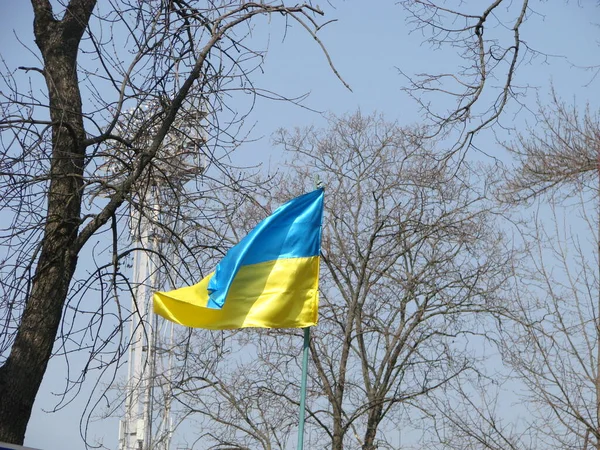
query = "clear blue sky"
x=367 y=43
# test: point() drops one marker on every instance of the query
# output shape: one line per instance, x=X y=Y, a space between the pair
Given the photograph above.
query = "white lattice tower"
x=149 y=333
x=135 y=432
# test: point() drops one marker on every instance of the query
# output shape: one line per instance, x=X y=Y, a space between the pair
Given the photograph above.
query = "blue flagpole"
x=303 y=388
x=301 y=420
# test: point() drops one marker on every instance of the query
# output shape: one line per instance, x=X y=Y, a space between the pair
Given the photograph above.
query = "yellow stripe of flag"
x=276 y=294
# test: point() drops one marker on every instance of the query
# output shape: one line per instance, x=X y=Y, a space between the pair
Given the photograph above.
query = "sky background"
x=368 y=43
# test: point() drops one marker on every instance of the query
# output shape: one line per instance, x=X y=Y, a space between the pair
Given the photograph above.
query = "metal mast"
x=151 y=336
x=135 y=428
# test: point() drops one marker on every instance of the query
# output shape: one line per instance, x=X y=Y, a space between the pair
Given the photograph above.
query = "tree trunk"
x=372 y=424
x=337 y=440
x=22 y=373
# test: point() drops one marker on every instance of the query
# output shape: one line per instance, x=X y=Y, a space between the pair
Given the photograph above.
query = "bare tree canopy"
x=487 y=82
x=560 y=155
x=552 y=341
x=136 y=95
x=412 y=267
x=552 y=345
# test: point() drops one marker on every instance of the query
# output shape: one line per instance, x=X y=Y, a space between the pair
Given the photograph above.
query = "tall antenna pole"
x=135 y=429
x=151 y=336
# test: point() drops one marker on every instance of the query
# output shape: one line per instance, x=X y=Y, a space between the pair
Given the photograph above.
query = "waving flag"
x=269 y=280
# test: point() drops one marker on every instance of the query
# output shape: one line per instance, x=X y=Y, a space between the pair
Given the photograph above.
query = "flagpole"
x=301 y=419
x=303 y=388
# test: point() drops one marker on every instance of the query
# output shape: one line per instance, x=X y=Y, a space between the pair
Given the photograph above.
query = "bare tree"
x=490 y=46
x=479 y=412
x=234 y=398
x=123 y=84
x=552 y=342
x=560 y=155
x=549 y=338
x=412 y=265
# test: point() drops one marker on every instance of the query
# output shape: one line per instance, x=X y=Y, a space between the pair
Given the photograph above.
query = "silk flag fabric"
x=269 y=280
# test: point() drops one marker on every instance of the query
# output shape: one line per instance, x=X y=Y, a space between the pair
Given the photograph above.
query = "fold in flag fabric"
x=269 y=280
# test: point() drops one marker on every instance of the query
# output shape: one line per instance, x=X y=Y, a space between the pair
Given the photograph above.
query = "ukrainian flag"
x=269 y=280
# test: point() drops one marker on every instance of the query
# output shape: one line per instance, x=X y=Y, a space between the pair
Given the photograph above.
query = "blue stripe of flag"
x=292 y=231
